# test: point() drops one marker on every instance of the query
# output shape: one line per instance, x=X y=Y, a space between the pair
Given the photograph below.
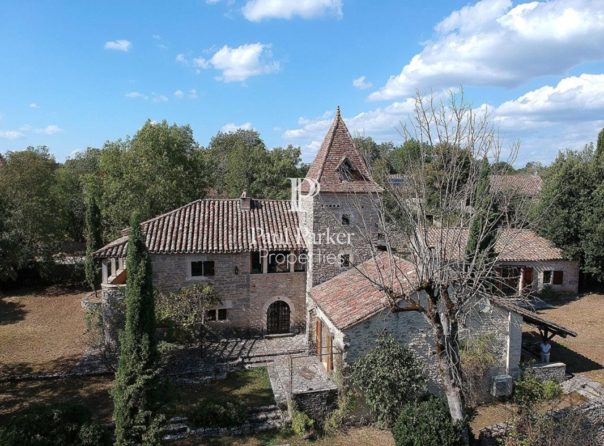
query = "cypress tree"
x=92 y=232
x=483 y=228
x=600 y=146
x=136 y=381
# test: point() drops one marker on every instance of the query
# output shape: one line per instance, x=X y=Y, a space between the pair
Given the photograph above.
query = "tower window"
x=344 y=260
x=348 y=172
x=345 y=219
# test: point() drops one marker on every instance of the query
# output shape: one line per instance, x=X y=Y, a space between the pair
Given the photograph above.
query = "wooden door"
x=318 y=334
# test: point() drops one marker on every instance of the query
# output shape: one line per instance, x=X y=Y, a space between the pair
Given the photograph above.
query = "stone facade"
x=245 y=296
x=569 y=268
x=112 y=308
x=413 y=331
x=327 y=238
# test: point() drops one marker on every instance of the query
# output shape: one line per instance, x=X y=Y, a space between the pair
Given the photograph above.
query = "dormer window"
x=348 y=172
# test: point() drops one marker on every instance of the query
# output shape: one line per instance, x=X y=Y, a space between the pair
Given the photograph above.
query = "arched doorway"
x=277 y=318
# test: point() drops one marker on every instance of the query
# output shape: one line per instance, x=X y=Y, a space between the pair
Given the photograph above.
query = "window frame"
x=550 y=273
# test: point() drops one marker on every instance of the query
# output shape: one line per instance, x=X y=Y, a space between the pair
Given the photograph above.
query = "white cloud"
x=574 y=99
x=49 y=130
x=494 y=42
x=34 y=105
x=191 y=94
x=181 y=58
x=361 y=83
x=200 y=62
x=118 y=45
x=232 y=127
x=136 y=95
x=153 y=97
x=11 y=134
x=240 y=63
x=257 y=10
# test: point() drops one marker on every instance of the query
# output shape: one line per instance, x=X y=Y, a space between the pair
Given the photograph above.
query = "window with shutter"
x=558 y=277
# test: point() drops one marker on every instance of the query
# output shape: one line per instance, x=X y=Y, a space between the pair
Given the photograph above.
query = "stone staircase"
x=260 y=419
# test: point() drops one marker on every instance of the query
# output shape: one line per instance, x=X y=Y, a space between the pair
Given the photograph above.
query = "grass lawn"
x=249 y=387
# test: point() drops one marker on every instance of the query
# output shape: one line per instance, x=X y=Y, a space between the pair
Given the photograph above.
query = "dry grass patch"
x=41 y=331
x=585 y=353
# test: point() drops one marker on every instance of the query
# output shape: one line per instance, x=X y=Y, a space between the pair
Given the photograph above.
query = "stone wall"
x=316 y=404
x=570 y=268
x=326 y=237
x=413 y=331
x=555 y=371
x=112 y=308
x=245 y=296
x=268 y=288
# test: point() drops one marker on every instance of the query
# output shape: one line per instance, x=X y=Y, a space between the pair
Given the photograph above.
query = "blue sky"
x=75 y=74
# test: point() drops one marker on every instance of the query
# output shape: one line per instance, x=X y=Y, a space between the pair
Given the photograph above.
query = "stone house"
x=287 y=266
x=527 y=262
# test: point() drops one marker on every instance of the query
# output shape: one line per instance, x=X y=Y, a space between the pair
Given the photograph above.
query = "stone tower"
x=337 y=221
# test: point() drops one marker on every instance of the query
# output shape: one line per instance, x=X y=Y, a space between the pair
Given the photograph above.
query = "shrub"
x=388 y=377
x=551 y=390
x=426 y=423
x=336 y=419
x=218 y=414
x=66 y=425
x=477 y=357
x=529 y=390
x=302 y=424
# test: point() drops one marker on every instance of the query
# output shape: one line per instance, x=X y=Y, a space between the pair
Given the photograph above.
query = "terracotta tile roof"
x=354 y=295
x=218 y=226
x=337 y=147
x=526 y=185
x=512 y=245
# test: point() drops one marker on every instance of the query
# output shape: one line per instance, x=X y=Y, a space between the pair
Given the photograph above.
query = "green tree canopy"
x=27 y=185
x=159 y=169
x=571 y=207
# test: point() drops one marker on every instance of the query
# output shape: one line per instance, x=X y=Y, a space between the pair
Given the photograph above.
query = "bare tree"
x=438 y=201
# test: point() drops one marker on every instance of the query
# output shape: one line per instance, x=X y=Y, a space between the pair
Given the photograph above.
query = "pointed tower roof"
x=339 y=166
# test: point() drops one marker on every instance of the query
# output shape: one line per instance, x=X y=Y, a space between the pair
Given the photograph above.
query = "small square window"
x=344 y=260
x=196 y=269
x=211 y=315
x=202 y=269
x=208 y=268
x=547 y=277
x=222 y=314
x=345 y=219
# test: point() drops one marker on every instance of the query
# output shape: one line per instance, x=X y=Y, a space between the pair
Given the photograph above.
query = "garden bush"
x=218 y=414
x=65 y=425
x=427 y=423
x=302 y=424
x=388 y=376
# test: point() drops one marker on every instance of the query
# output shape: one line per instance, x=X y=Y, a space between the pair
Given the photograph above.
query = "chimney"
x=245 y=202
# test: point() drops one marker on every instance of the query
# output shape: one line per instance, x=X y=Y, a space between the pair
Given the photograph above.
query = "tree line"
x=43 y=203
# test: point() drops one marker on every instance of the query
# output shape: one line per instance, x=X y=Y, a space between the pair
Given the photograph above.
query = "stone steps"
x=260 y=419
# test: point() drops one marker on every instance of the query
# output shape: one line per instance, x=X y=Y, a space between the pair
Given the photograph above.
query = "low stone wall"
x=555 y=371
x=112 y=307
x=317 y=404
